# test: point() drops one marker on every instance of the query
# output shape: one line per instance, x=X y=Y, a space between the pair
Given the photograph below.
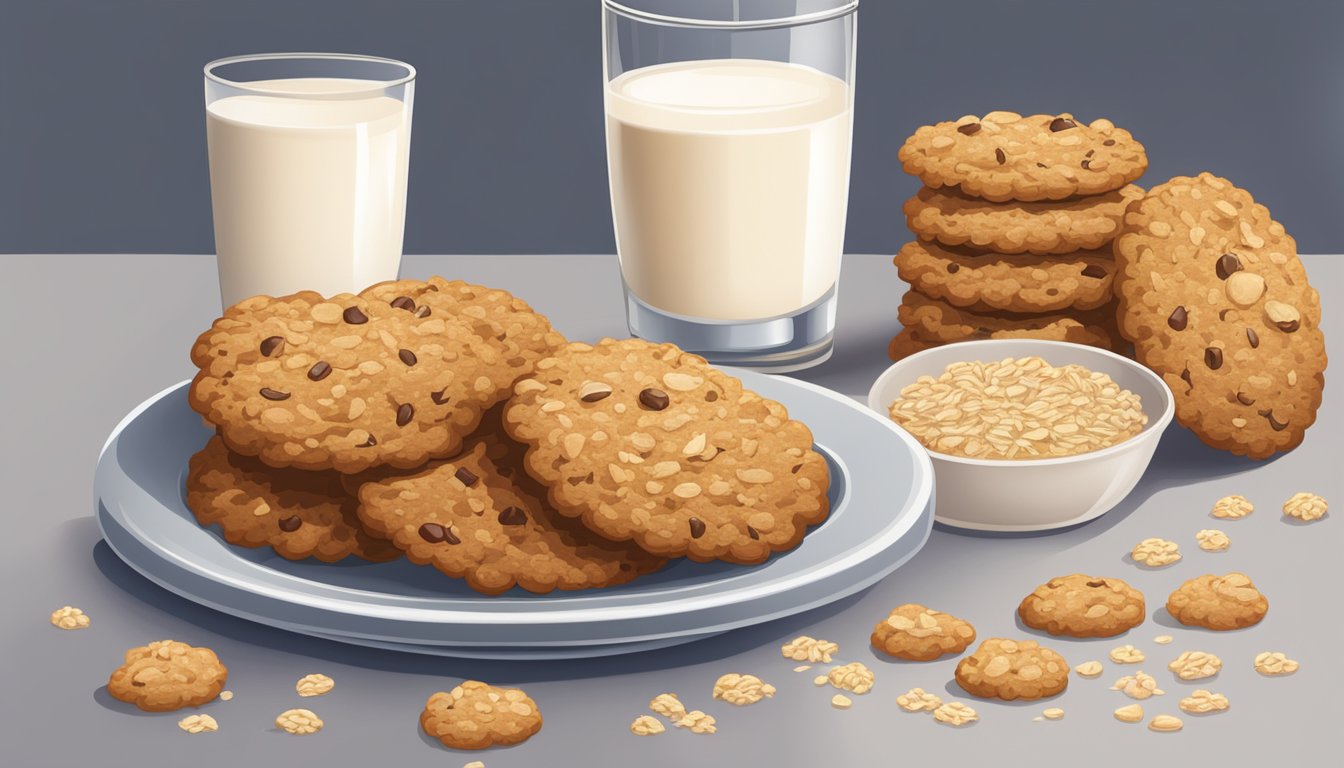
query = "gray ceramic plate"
x=881 y=499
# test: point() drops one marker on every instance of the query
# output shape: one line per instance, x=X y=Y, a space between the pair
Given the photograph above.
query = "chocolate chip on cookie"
x=1218 y=602
x=917 y=633
x=475 y=716
x=1216 y=301
x=1012 y=669
x=679 y=457
x=167 y=675
x=1010 y=157
x=1083 y=606
x=986 y=282
x=297 y=512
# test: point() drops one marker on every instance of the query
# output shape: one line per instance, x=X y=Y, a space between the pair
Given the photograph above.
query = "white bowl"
x=1034 y=494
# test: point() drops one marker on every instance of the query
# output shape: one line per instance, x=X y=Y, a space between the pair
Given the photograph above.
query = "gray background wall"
x=102 y=142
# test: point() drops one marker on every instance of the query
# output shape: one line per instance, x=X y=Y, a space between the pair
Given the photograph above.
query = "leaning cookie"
x=167 y=675
x=1216 y=301
x=916 y=633
x=476 y=716
x=297 y=512
x=1005 y=156
x=1083 y=606
x=987 y=282
x=647 y=443
x=469 y=519
x=1012 y=669
x=1219 y=603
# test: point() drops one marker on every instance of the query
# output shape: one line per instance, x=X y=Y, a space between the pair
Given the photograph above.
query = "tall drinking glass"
x=308 y=158
x=728 y=151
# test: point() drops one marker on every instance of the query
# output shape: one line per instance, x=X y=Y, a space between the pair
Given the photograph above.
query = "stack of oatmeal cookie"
x=1014 y=229
x=449 y=423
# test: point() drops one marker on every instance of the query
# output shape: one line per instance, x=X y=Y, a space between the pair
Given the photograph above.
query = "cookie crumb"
x=741 y=690
x=802 y=667
x=697 y=722
x=841 y=701
x=955 y=713
x=1127 y=654
x=474 y=764
x=1089 y=669
x=820 y=680
x=1232 y=508
x=1163 y=639
x=1165 y=724
x=1195 y=665
x=226 y=695
x=69 y=617
x=1305 y=507
x=198 y=724
x=1155 y=552
x=1053 y=713
x=854 y=677
x=1211 y=540
x=299 y=722
x=314 y=685
x=647 y=725
x=1202 y=701
x=1130 y=713
x=1139 y=685
x=668 y=705
x=1274 y=664
x=804 y=648
x=918 y=700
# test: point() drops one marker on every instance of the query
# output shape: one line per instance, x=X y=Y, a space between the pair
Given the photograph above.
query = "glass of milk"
x=728 y=151
x=308 y=157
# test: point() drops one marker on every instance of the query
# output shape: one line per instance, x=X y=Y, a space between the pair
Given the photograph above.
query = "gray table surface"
x=88 y=337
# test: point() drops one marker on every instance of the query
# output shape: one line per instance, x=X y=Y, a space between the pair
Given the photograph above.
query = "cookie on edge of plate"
x=299 y=513
x=986 y=282
x=1043 y=228
x=916 y=633
x=1079 y=605
x=1006 y=156
x=1012 y=669
x=475 y=715
x=1220 y=603
x=1216 y=301
x=644 y=441
x=468 y=519
x=167 y=675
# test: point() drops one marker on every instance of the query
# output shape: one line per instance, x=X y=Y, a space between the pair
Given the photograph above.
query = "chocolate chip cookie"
x=475 y=716
x=647 y=443
x=1083 y=606
x=473 y=517
x=1052 y=227
x=299 y=513
x=984 y=282
x=353 y=382
x=1012 y=669
x=167 y=675
x=1005 y=156
x=939 y=322
x=916 y=633
x=1218 y=602
x=1216 y=302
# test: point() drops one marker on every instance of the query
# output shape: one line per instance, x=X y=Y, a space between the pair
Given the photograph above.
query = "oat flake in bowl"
x=1018 y=408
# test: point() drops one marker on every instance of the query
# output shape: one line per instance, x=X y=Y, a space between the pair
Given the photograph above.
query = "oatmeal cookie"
x=938 y=321
x=1083 y=606
x=987 y=282
x=1218 y=602
x=1005 y=156
x=475 y=716
x=1217 y=303
x=647 y=443
x=299 y=513
x=916 y=633
x=1012 y=669
x=1045 y=228
x=167 y=675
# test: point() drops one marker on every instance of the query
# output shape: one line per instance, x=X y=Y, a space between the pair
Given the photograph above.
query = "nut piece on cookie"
x=167 y=675
x=1012 y=669
x=643 y=442
x=1218 y=602
x=475 y=716
x=916 y=633
x=1079 y=605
